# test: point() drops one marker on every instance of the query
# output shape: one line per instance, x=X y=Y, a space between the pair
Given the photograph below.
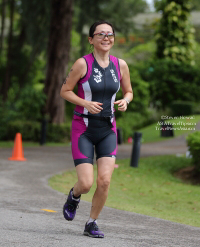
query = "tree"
x=7 y=81
x=85 y=16
x=26 y=40
x=118 y=12
x=3 y=13
x=34 y=32
x=174 y=36
x=35 y=21
x=195 y=5
x=173 y=74
x=58 y=56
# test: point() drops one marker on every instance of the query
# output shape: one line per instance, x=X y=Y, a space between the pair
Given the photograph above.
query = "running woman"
x=99 y=76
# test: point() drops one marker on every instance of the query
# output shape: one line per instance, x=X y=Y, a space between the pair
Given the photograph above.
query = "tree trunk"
x=58 y=57
x=3 y=13
x=6 y=84
x=81 y=22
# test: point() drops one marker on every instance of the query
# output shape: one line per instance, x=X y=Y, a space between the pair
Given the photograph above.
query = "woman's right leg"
x=85 y=181
x=83 y=154
x=85 y=176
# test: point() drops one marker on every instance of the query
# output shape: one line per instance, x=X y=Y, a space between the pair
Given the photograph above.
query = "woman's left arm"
x=126 y=87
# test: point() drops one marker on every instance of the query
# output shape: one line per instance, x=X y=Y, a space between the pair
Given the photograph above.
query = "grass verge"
x=150 y=189
x=151 y=133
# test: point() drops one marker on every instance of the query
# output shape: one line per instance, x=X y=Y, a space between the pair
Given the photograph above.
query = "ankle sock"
x=76 y=198
x=91 y=220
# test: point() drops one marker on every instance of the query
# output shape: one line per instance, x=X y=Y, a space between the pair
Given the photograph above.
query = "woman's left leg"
x=105 y=167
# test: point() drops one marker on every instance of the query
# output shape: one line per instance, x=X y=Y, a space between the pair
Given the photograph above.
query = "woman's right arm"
x=77 y=71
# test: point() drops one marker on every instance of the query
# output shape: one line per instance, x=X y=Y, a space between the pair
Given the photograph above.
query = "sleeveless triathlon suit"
x=100 y=85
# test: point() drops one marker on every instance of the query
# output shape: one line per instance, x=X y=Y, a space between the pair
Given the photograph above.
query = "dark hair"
x=97 y=23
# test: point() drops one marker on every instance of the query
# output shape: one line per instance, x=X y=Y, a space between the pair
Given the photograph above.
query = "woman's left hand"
x=122 y=104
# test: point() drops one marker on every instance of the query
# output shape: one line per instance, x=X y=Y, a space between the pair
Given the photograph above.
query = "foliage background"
x=159 y=69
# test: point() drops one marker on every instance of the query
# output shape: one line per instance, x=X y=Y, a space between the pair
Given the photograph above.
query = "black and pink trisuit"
x=99 y=130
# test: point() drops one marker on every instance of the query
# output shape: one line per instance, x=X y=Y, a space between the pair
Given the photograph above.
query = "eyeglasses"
x=102 y=35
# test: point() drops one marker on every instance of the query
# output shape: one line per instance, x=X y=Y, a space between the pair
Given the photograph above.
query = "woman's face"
x=101 y=42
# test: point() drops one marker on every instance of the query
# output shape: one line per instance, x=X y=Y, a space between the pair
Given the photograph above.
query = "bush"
x=175 y=34
x=30 y=103
x=25 y=105
x=170 y=81
x=196 y=108
x=193 y=141
x=182 y=108
x=142 y=52
x=31 y=131
x=131 y=121
x=58 y=133
x=140 y=94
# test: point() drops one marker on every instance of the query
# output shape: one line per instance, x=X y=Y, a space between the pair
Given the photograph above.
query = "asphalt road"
x=24 y=192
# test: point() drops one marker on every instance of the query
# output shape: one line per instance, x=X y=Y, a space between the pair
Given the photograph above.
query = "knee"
x=85 y=186
x=103 y=183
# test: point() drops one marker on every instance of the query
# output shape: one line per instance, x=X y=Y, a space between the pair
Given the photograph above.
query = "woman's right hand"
x=93 y=107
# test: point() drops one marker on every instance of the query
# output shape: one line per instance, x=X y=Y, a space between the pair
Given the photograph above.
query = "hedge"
x=182 y=108
x=132 y=121
x=169 y=81
x=193 y=141
x=31 y=131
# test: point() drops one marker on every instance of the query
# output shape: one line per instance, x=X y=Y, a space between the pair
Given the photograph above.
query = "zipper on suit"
x=104 y=80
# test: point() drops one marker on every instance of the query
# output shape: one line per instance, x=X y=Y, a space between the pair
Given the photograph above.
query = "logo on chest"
x=113 y=75
x=98 y=75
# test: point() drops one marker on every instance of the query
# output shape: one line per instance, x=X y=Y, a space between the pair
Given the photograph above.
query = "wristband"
x=127 y=100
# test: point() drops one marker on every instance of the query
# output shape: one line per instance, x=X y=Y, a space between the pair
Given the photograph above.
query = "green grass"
x=151 y=133
x=150 y=189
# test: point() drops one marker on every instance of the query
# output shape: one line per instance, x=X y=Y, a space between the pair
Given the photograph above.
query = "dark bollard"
x=136 y=149
x=43 y=132
x=170 y=130
x=119 y=136
x=166 y=130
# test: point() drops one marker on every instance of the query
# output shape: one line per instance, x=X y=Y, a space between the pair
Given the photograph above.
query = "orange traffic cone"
x=18 y=153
